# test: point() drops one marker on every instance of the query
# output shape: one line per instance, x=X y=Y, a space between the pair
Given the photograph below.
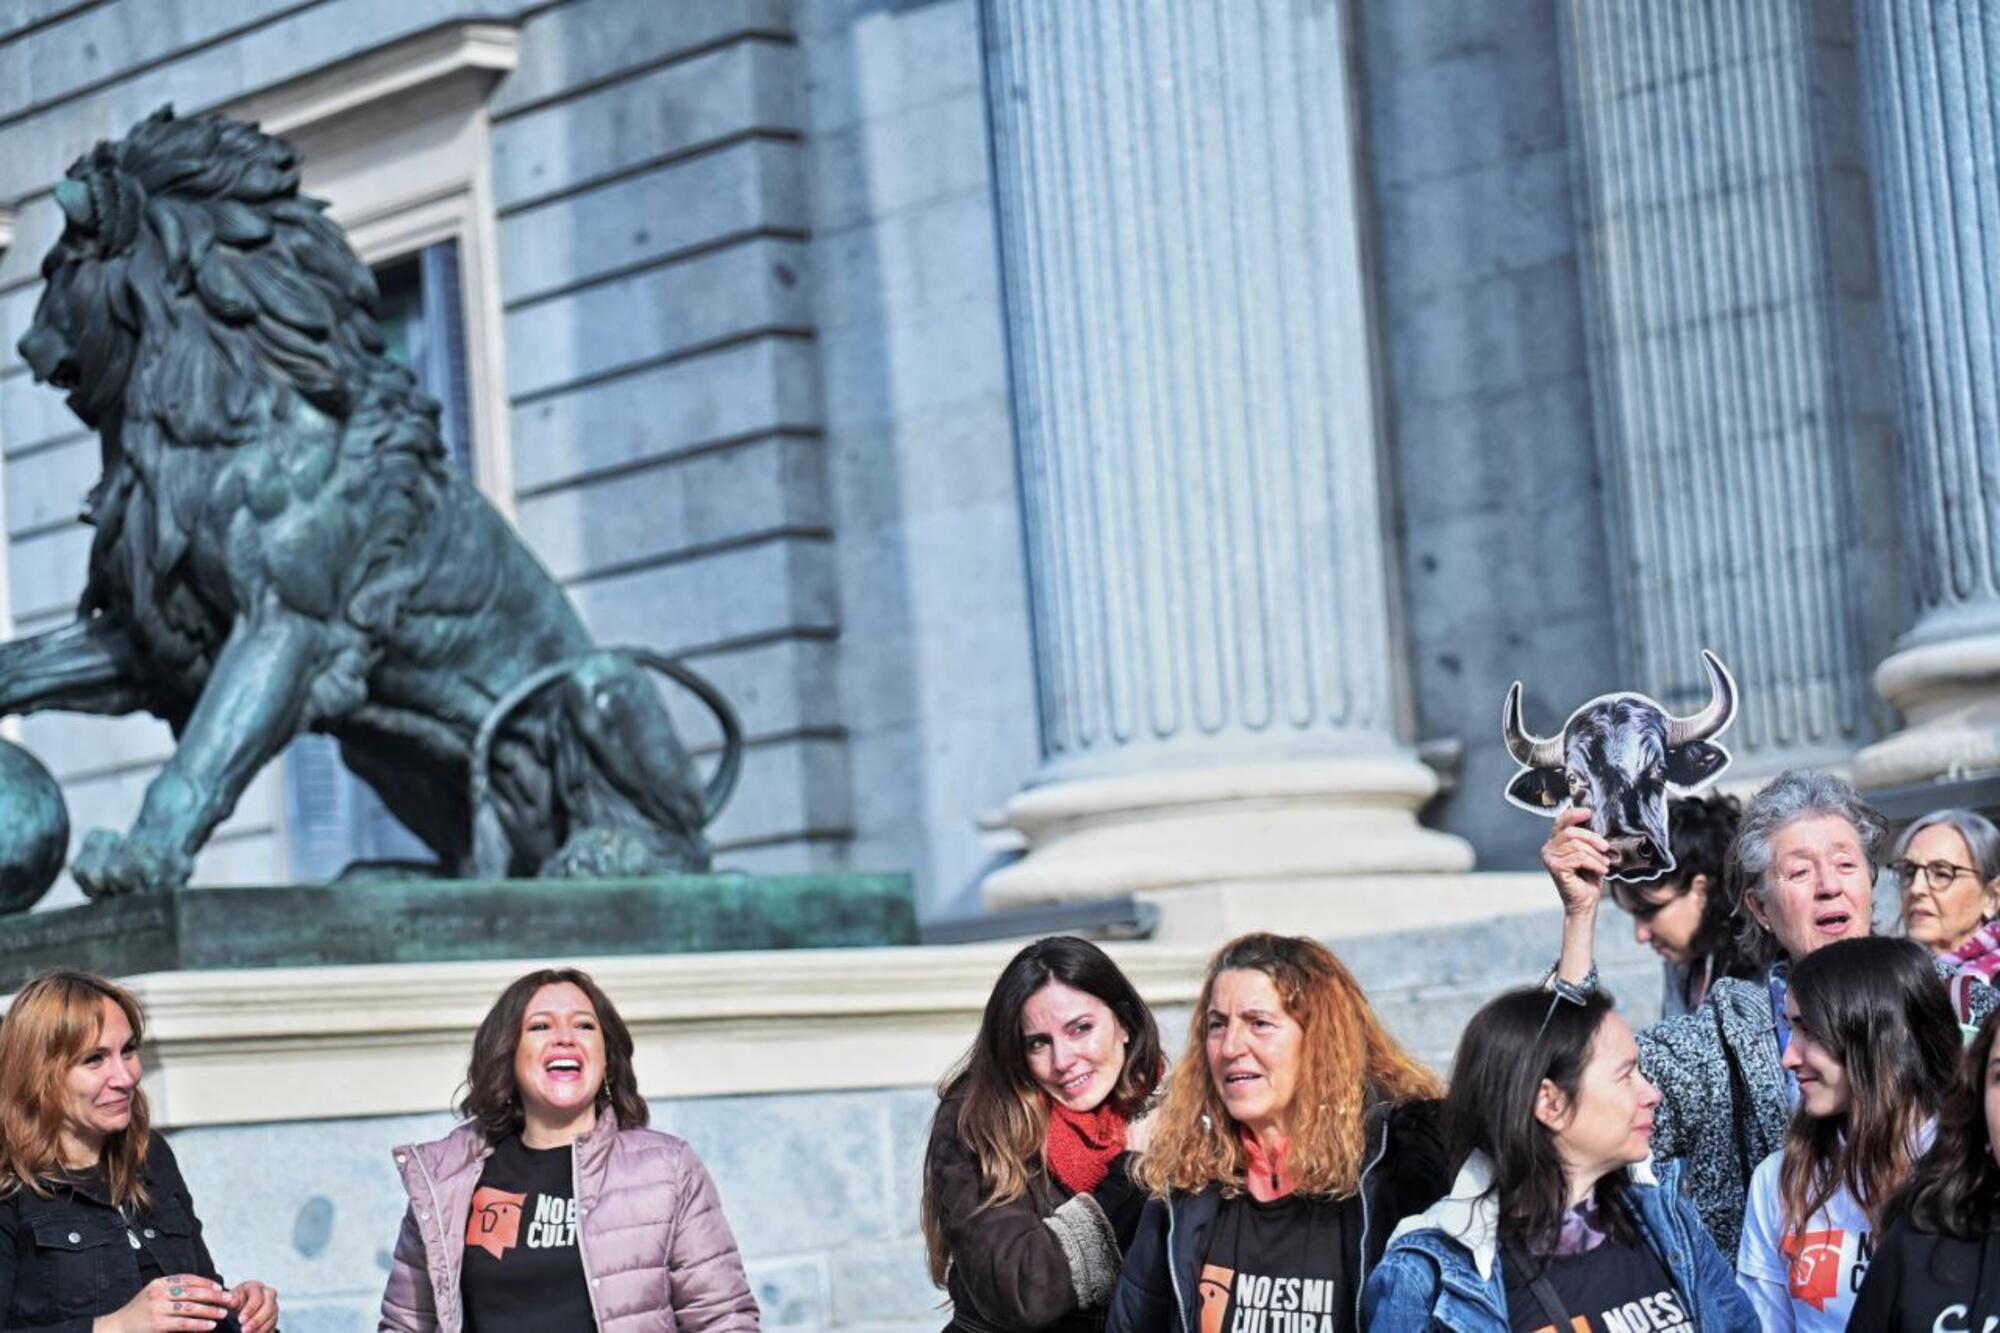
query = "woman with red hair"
x=97 y=1230
x=1294 y=1134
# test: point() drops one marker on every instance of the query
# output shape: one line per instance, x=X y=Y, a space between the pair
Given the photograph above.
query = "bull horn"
x=1721 y=707
x=1533 y=751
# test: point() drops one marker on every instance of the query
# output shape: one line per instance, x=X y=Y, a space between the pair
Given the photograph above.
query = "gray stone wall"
x=938 y=693
x=651 y=186
x=650 y=181
x=1496 y=488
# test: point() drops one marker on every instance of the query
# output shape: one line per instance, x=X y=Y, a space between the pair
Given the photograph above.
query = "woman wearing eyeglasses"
x=1947 y=865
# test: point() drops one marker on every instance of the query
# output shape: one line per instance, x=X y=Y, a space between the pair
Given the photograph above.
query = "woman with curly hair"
x=1027 y=1204
x=553 y=1209
x=1294 y=1134
x=1937 y=1266
x=1874 y=1045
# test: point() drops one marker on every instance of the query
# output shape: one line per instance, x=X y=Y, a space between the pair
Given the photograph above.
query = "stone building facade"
x=1111 y=447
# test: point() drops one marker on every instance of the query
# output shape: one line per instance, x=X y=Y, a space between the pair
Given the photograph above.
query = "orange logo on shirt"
x=495 y=1224
x=1214 y=1287
x=1815 y=1274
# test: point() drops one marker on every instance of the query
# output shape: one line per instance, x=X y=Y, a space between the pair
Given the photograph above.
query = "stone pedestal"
x=1722 y=425
x=1194 y=392
x=450 y=921
x=1932 y=81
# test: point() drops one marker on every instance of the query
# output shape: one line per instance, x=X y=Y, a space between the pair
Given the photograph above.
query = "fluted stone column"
x=1722 y=428
x=1932 y=71
x=1195 y=410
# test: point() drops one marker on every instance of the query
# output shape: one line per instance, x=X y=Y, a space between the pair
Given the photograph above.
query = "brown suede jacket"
x=1048 y=1260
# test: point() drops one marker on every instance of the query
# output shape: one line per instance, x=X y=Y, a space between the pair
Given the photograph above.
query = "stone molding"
x=483 y=51
x=1300 y=825
x=287 y=1044
x=1721 y=423
x=6 y=228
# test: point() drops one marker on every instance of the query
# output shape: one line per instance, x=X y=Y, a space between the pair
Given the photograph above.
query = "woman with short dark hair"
x=1027 y=1207
x=1558 y=1216
x=553 y=1209
x=1688 y=916
x=97 y=1229
x=1937 y=1266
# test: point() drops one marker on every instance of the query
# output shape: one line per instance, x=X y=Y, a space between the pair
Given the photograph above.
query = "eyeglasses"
x=1938 y=875
x=1563 y=991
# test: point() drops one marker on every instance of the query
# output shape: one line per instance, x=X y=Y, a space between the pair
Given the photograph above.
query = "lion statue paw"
x=112 y=865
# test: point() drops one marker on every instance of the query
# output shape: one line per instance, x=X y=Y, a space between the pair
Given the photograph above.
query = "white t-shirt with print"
x=1807 y=1281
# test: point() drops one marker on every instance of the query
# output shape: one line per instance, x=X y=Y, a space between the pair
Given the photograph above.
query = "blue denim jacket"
x=1442 y=1268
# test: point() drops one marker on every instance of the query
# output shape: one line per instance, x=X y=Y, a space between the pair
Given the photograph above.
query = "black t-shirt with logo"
x=1935 y=1284
x=1276 y=1268
x=523 y=1272
x=1610 y=1289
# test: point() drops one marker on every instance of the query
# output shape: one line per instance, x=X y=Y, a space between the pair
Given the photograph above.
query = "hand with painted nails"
x=174 y=1304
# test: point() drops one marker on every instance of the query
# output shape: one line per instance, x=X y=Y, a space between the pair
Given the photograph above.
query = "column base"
x=1301 y=824
x=1949 y=694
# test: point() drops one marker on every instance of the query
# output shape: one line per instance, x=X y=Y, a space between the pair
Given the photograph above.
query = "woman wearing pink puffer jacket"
x=553 y=1209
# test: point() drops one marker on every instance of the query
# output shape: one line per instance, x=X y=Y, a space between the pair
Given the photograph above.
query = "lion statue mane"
x=281 y=546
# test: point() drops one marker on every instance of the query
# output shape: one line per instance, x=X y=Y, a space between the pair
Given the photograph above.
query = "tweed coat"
x=1724 y=1100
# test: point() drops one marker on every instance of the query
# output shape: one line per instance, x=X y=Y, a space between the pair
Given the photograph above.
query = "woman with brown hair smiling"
x=553 y=1209
x=1027 y=1205
x=1294 y=1135
x=97 y=1231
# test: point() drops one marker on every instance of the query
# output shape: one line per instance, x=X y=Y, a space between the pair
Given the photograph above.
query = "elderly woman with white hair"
x=1947 y=865
x=1804 y=864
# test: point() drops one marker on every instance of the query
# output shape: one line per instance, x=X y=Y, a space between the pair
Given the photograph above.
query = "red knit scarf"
x=1082 y=1145
x=1264 y=1174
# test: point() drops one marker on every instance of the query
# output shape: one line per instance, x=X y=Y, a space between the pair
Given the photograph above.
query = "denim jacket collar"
x=1469 y=1212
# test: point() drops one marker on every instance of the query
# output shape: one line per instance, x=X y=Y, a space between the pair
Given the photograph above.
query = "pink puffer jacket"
x=656 y=1248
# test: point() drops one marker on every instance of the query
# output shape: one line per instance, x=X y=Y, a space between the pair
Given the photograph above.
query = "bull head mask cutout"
x=1621 y=755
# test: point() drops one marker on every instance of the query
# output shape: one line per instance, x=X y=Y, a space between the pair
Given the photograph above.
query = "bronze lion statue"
x=281 y=547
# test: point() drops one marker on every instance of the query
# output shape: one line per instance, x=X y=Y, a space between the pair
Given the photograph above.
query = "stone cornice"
x=6 y=229
x=482 y=51
x=337 y=1042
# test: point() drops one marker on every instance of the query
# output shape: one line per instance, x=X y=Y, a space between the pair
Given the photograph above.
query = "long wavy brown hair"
x=1956 y=1185
x=1877 y=1005
x=1002 y=1116
x=55 y=1021
x=491 y=1097
x=1348 y=1058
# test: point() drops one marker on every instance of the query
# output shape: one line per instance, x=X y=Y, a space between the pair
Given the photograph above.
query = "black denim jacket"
x=68 y=1258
